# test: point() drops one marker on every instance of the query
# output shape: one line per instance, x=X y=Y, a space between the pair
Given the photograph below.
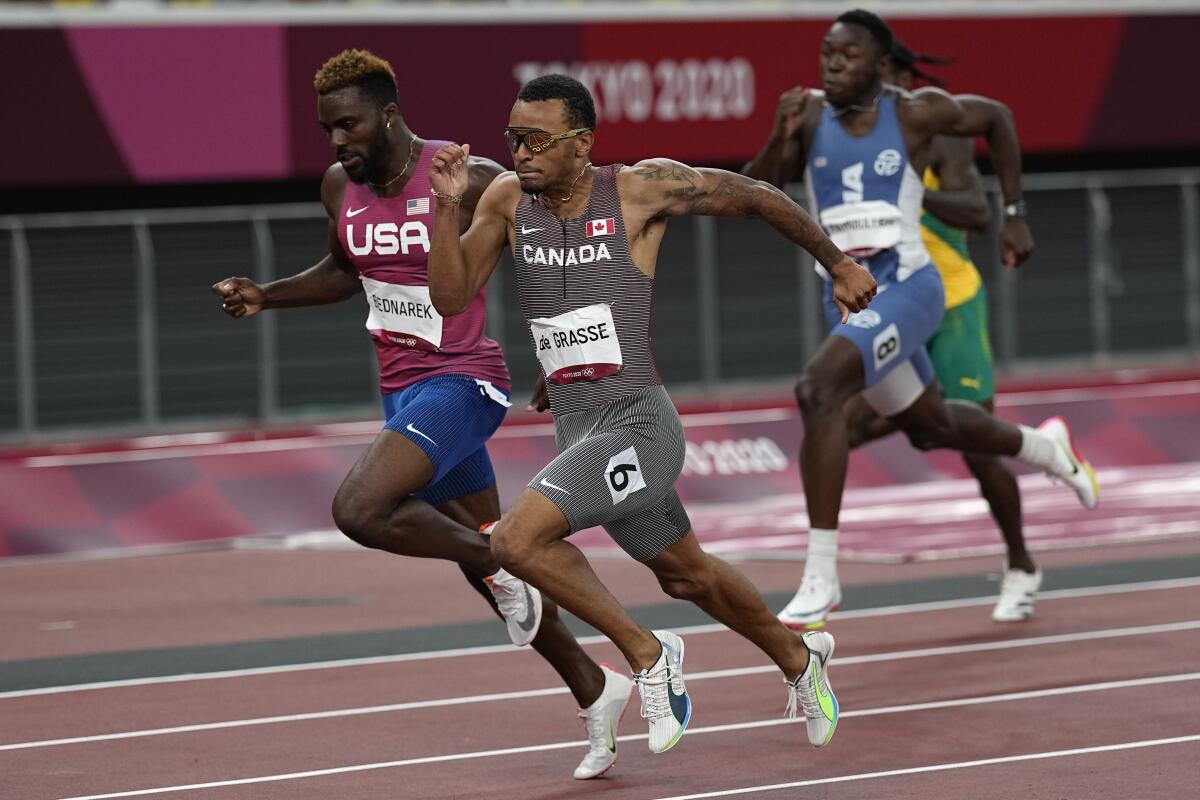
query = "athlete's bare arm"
x=482 y=172
x=458 y=267
x=655 y=189
x=929 y=112
x=781 y=159
x=330 y=280
x=960 y=201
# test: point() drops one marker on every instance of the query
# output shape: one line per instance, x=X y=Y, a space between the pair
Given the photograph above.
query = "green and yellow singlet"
x=947 y=247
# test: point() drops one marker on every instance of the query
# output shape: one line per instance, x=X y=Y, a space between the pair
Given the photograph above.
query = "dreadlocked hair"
x=905 y=60
x=361 y=68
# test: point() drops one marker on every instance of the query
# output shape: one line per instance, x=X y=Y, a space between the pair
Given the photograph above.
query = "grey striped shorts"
x=617 y=466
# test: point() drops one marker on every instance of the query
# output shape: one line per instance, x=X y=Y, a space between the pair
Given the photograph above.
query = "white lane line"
x=734 y=672
x=1083 y=394
x=430 y=655
x=982 y=762
x=984 y=699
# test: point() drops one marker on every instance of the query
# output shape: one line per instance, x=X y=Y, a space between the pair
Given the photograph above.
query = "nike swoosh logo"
x=552 y=486
x=612 y=736
x=352 y=212
x=527 y=623
x=411 y=429
x=825 y=697
x=525 y=230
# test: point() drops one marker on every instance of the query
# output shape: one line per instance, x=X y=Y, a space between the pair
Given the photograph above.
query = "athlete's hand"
x=853 y=286
x=540 y=400
x=450 y=173
x=1016 y=242
x=790 y=111
x=240 y=297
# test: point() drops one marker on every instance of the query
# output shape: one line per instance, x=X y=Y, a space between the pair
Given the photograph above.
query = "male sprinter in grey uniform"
x=585 y=240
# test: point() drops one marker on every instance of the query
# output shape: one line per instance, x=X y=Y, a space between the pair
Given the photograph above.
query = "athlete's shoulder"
x=502 y=192
x=333 y=188
x=654 y=170
x=924 y=100
x=505 y=182
x=926 y=109
x=486 y=166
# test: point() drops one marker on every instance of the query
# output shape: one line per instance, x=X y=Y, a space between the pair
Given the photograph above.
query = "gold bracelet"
x=456 y=199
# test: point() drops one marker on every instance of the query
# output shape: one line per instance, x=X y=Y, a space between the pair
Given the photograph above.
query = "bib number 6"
x=619 y=476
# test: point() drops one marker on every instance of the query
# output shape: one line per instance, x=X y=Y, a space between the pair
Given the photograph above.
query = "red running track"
x=936 y=703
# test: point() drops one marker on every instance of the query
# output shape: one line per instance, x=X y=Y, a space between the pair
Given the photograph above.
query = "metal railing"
x=1116 y=274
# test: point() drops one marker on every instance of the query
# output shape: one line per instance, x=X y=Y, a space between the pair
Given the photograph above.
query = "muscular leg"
x=999 y=488
x=863 y=424
x=553 y=641
x=831 y=377
x=375 y=508
x=932 y=422
x=688 y=573
x=997 y=483
x=528 y=543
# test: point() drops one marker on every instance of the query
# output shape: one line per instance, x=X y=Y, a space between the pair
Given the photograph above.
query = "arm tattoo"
x=674 y=172
x=720 y=200
x=731 y=194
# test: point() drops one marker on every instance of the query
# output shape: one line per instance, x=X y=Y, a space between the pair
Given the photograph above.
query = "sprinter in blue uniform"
x=861 y=147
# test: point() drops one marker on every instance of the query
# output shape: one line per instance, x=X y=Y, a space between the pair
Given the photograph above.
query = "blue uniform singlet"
x=867 y=197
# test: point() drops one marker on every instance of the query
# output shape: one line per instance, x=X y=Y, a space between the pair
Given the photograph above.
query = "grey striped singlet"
x=619 y=437
x=576 y=273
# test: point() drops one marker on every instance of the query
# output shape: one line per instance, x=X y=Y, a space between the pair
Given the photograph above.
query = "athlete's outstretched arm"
x=330 y=280
x=960 y=201
x=459 y=267
x=972 y=115
x=670 y=189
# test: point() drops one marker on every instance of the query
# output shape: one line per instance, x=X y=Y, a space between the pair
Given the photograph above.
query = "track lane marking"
x=981 y=762
x=980 y=700
x=430 y=655
x=736 y=672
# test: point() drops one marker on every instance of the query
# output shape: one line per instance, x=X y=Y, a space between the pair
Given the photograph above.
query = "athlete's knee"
x=692 y=585
x=927 y=427
x=815 y=396
x=929 y=437
x=366 y=523
x=353 y=517
x=510 y=547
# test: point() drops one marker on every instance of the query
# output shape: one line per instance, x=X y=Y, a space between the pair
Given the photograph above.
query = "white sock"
x=607 y=680
x=822 y=553
x=1039 y=450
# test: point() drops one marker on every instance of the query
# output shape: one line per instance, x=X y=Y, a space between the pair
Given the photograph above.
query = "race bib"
x=580 y=345
x=864 y=228
x=402 y=315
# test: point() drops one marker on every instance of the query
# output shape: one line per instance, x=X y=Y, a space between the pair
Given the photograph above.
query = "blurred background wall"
x=151 y=149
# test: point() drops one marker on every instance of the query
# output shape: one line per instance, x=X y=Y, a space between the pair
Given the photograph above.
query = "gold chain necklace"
x=570 y=189
x=412 y=149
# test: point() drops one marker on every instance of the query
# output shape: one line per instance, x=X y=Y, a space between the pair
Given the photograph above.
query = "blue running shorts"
x=450 y=417
x=890 y=336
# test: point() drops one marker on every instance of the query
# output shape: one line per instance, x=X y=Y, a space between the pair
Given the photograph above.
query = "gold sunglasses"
x=537 y=141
